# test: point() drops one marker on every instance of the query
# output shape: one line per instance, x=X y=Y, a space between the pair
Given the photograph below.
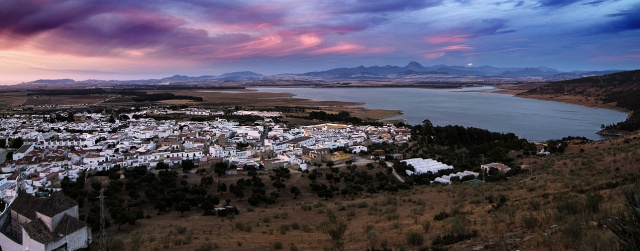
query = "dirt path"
x=393 y=170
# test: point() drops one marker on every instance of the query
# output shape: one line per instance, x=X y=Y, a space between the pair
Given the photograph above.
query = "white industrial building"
x=425 y=165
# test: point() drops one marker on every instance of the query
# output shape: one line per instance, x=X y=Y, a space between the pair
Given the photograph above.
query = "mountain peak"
x=415 y=66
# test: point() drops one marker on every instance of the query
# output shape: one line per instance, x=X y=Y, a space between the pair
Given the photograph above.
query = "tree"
x=371 y=189
x=352 y=168
x=187 y=165
x=279 y=184
x=16 y=143
x=207 y=206
x=96 y=185
x=121 y=216
x=220 y=168
x=330 y=163
x=325 y=193
x=336 y=231
x=161 y=205
x=206 y=181
x=295 y=191
x=183 y=206
x=222 y=187
x=161 y=165
x=70 y=117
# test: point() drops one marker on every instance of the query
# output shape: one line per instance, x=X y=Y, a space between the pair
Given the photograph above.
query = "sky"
x=142 y=39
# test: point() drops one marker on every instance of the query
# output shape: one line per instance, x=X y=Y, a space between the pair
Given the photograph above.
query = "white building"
x=45 y=224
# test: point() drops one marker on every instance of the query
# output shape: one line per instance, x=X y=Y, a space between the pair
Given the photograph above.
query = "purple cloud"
x=30 y=17
x=381 y=6
x=556 y=3
x=624 y=20
x=235 y=12
x=492 y=27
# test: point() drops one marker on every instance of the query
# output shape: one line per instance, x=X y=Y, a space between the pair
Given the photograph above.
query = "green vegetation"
x=343 y=117
x=162 y=96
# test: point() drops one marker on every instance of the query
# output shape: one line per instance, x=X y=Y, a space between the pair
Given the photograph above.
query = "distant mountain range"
x=415 y=70
x=412 y=71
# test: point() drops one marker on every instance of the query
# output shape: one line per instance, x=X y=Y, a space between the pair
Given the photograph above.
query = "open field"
x=87 y=100
x=10 y=101
x=250 y=99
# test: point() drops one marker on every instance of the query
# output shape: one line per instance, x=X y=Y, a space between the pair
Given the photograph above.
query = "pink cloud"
x=441 y=39
x=460 y=47
x=434 y=55
x=309 y=40
x=440 y=52
x=341 y=48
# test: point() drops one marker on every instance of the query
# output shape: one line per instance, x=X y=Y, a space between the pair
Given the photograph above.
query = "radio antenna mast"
x=103 y=235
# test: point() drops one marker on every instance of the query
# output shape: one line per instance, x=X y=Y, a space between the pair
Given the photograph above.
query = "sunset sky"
x=124 y=39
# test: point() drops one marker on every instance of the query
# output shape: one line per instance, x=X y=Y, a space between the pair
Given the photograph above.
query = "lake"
x=535 y=120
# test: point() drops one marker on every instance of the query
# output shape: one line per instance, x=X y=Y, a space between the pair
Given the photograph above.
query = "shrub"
x=627 y=228
x=306 y=207
x=568 y=206
x=115 y=244
x=207 y=246
x=181 y=229
x=572 y=231
x=459 y=225
x=452 y=238
x=351 y=213
x=277 y=245
x=284 y=228
x=535 y=204
x=441 y=216
x=593 y=201
x=243 y=227
x=598 y=241
x=426 y=225
x=530 y=221
x=414 y=238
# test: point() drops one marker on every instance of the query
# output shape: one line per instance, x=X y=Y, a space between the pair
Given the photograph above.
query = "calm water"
x=536 y=120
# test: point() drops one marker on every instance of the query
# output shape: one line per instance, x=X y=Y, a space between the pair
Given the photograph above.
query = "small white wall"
x=7 y=244
x=30 y=244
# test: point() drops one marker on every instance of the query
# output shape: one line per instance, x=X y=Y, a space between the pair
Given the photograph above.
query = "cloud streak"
x=147 y=36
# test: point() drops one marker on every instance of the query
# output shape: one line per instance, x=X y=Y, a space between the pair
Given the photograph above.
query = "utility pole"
x=103 y=235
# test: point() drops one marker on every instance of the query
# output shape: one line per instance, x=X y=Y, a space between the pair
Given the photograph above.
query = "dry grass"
x=387 y=218
x=88 y=100
x=10 y=101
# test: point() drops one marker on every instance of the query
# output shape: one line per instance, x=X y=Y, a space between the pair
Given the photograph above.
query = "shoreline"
x=572 y=99
x=516 y=90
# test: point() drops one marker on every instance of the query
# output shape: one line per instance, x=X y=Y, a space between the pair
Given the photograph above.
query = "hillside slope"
x=619 y=89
